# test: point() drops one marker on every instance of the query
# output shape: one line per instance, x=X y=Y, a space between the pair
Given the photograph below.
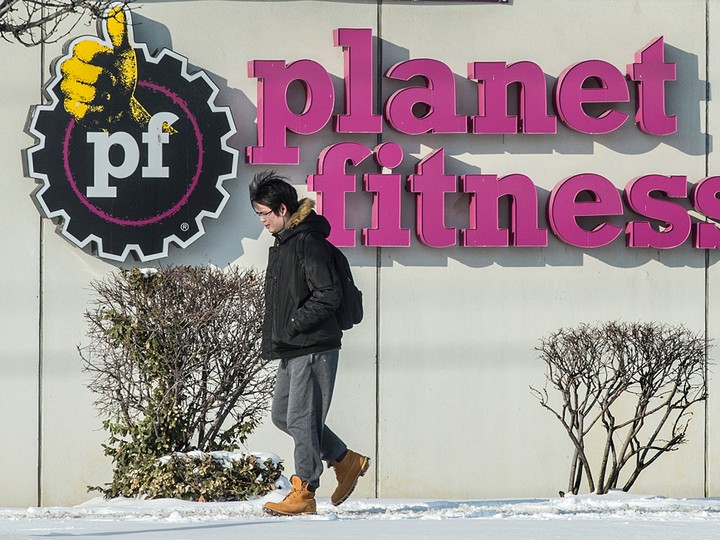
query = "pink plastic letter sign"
x=274 y=116
x=494 y=79
x=485 y=193
x=650 y=72
x=332 y=183
x=704 y=198
x=357 y=48
x=564 y=209
x=677 y=221
x=386 y=207
x=570 y=95
x=438 y=96
x=430 y=183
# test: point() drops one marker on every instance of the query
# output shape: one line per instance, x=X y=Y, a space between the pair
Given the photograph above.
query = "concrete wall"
x=434 y=383
x=19 y=292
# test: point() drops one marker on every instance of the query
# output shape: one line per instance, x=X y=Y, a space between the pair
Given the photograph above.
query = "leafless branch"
x=638 y=381
x=31 y=22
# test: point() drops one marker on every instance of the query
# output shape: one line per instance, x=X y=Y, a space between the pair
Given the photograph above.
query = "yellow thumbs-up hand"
x=99 y=81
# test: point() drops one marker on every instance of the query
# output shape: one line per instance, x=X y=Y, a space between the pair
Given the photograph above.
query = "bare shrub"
x=634 y=383
x=175 y=362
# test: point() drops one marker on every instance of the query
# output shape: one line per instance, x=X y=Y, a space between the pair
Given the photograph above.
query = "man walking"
x=302 y=293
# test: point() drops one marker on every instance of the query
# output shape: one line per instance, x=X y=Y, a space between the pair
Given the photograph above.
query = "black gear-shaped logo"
x=150 y=177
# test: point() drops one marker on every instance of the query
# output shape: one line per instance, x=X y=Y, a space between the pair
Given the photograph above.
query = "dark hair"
x=272 y=190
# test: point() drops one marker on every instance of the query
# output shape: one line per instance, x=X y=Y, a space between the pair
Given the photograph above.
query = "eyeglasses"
x=264 y=214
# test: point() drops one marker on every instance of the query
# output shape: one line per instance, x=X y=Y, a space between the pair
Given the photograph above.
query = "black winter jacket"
x=302 y=290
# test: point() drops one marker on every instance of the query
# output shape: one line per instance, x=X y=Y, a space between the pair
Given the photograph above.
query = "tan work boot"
x=347 y=471
x=299 y=501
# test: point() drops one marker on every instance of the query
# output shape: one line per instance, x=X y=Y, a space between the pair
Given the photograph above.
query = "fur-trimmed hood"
x=304 y=210
x=304 y=219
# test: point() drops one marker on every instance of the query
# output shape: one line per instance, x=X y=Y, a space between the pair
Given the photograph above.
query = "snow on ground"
x=616 y=515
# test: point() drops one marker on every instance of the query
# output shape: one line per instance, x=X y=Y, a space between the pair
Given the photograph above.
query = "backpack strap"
x=300 y=247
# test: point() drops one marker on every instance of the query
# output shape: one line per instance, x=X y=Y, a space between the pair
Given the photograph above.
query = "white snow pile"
x=590 y=517
x=615 y=505
x=226 y=459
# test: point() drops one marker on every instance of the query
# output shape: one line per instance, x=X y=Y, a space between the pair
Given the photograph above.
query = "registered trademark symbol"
x=184 y=226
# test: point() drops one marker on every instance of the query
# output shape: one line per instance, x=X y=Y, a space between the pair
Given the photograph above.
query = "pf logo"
x=131 y=151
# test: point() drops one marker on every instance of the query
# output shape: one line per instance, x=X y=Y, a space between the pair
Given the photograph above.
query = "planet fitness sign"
x=655 y=197
x=132 y=150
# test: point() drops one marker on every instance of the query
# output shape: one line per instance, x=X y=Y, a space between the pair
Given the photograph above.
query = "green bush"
x=174 y=357
x=200 y=477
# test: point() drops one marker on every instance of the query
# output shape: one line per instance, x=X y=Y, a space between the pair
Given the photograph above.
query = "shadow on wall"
x=684 y=99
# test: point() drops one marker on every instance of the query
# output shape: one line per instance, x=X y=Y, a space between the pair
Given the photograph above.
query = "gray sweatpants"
x=303 y=392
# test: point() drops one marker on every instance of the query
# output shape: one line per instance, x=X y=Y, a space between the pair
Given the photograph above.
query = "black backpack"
x=350 y=311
